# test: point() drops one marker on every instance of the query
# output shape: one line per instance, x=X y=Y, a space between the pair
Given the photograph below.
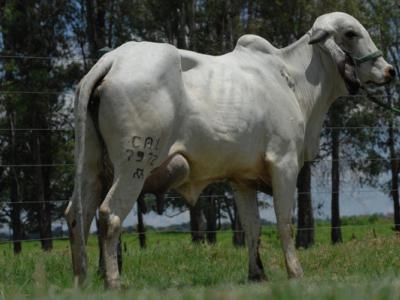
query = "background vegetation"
x=366 y=266
x=47 y=46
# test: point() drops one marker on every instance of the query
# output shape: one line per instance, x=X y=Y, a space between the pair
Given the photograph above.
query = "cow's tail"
x=82 y=98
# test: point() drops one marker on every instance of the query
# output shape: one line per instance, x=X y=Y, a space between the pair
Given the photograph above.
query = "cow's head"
x=358 y=59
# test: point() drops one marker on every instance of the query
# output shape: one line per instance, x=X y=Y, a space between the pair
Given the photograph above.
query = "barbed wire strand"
x=45 y=57
x=35 y=165
x=13 y=92
x=271 y=228
x=35 y=240
x=37 y=129
x=384 y=127
x=205 y=196
x=215 y=196
x=381 y=128
x=33 y=202
x=34 y=92
x=26 y=165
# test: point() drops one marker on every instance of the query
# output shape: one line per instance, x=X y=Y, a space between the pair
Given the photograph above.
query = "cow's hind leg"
x=91 y=198
x=284 y=176
x=119 y=201
x=246 y=202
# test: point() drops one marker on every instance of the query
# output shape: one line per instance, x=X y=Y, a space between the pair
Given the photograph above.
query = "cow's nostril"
x=390 y=73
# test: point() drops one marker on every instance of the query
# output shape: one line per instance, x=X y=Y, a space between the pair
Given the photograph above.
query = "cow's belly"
x=210 y=160
x=224 y=164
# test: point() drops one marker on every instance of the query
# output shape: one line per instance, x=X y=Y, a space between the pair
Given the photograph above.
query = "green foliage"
x=50 y=79
x=173 y=268
x=73 y=31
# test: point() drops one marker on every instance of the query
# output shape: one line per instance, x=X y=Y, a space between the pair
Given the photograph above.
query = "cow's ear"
x=318 y=35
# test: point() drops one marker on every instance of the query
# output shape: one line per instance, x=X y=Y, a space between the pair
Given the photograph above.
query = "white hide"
x=250 y=116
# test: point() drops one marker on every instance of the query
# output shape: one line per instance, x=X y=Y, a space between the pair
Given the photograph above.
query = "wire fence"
x=382 y=127
x=45 y=57
x=271 y=228
x=350 y=192
x=62 y=201
x=361 y=160
x=33 y=92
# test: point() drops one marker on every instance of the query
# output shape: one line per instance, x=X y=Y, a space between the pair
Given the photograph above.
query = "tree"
x=141 y=209
x=47 y=38
x=336 y=233
x=197 y=224
x=305 y=218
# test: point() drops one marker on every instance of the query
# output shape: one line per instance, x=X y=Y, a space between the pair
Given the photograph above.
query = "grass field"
x=365 y=266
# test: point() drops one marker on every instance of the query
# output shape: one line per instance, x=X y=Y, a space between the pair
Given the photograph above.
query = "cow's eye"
x=351 y=34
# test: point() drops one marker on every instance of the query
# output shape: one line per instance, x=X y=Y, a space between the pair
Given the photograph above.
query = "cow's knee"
x=68 y=212
x=70 y=216
x=110 y=224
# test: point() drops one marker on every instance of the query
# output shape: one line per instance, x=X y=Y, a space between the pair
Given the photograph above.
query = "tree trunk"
x=197 y=223
x=229 y=20
x=110 y=32
x=16 y=228
x=305 y=218
x=211 y=218
x=181 y=34
x=90 y=25
x=15 y=191
x=238 y=238
x=15 y=194
x=43 y=207
x=16 y=219
x=394 y=164
x=95 y=28
x=336 y=232
x=219 y=215
x=191 y=14
x=250 y=15
x=140 y=227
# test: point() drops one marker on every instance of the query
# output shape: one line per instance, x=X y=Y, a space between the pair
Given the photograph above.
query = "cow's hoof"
x=113 y=285
x=258 y=277
x=297 y=273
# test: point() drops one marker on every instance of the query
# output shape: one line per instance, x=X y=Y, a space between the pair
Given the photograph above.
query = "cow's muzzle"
x=389 y=73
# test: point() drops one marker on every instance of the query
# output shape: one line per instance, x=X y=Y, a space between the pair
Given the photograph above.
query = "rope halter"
x=371 y=56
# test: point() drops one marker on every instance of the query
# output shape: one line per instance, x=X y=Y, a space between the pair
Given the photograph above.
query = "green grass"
x=365 y=266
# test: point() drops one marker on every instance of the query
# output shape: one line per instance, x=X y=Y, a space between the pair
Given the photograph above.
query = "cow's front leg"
x=246 y=202
x=284 y=176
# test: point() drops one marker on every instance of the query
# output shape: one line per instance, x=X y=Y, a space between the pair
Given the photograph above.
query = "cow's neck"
x=316 y=79
x=317 y=83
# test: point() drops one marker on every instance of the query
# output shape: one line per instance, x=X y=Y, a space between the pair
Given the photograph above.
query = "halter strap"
x=365 y=58
x=379 y=102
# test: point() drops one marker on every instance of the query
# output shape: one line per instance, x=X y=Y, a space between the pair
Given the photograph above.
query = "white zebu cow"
x=182 y=120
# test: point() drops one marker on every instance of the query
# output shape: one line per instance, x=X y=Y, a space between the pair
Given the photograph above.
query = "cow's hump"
x=255 y=43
